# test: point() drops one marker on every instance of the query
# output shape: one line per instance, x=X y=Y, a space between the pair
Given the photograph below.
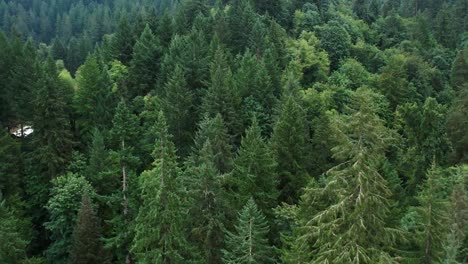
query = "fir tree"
x=145 y=63
x=13 y=245
x=178 y=105
x=355 y=195
x=92 y=97
x=221 y=97
x=289 y=140
x=86 y=247
x=161 y=241
x=254 y=174
x=10 y=166
x=208 y=205
x=249 y=243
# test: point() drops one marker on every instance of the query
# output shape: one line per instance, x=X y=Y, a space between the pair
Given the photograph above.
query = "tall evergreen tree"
x=249 y=243
x=10 y=165
x=178 y=106
x=86 y=246
x=92 y=97
x=222 y=97
x=254 y=174
x=208 y=205
x=213 y=129
x=14 y=244
x=145 y=64
x=161 y=241
x=289 y=142
x=123 y=42
x=351 y=227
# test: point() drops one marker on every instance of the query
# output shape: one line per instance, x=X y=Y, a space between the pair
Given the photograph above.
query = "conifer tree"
x=63 y=206
x=289 y=140
x=254 y=174
x=249 y=243
x=98 y=164
x=13 y=245
x=123 y=42
x=159 y=236
x=123 y=132
x=213 y=129
x=221 y=96
x=459 y=70
x=86 y=246
x=208 y=205
x=178 y=104
x=10 y=166
x=350 y=225
x=92 y=97
x=433 y=225
x=145 y=64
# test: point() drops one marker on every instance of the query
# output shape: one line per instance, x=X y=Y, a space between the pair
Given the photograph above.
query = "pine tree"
x=98 y=164
x=10 y=165
x=433 y=223
x=289 y=140
x=123 y=42
x=161 y=241
x=353 y=204
x=459 y=70
x=249 y=243
x=213 y=129
x=254 y=174
x=13 y=245
x=221 y=96
x=92 y=97
x=208 y=205
x=145 y=64
x=124 y=133
x=178 y=104
x=86 y=247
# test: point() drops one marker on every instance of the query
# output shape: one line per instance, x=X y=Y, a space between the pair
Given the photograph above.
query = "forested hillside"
x=241 y=131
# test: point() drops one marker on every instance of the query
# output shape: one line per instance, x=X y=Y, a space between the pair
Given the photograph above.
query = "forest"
x=233 y=131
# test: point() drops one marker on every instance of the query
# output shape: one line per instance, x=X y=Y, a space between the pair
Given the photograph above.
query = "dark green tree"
x=161 y=241
x=63 y=207
x=459 y=70
x=336 y=41
x=221 y=97
x=254 y=174
x=10 y=165
x=179 y=106
x=123 y=42
x=92 y=97
x=249 y=243
x=208 y=205
x=86 y=246
x=289 y=141
x=14 y=244
x=145 y=64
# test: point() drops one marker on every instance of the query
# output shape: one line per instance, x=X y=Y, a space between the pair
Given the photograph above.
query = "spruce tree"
x=352 y=206
x=213 y=129
x=433 y=225
x=159 y=236
x=289 y=142
x=254 y=174
x=145 y=64
x=208 y=205
x=459 y=70
x=10 y=165
x=221 y=97
x=92 y=97
x=13 y=245
x=86 y=245
x=122 y=42
x=124 y=164
x=249 y=243
x=178 y=104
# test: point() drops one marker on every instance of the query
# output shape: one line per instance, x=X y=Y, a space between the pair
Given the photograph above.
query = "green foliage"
x=336 y=41
x=145 y=64
x=353 y=204
x=289 y=140
x=63 y=207
x=254 y=174
x=249 y=243
x=161 y=241
x=14 y=244
x=86 y=246
x=10 y=166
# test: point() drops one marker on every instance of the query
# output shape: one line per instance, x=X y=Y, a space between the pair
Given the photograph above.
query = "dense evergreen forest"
x=234 y=131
